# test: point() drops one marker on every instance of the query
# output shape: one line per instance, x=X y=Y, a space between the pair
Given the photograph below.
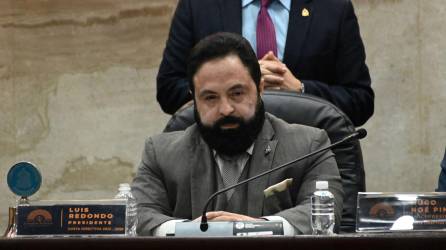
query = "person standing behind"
x=308 y=46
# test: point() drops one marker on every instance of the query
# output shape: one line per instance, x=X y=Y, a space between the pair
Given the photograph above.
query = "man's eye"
x=237 y=93
x=210 y=97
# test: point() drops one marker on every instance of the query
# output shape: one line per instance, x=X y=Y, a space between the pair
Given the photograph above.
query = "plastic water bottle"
x=131 y=218
x=322 y=210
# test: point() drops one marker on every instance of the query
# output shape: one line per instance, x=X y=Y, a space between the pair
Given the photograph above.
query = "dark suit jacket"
x=177 y=175
x=323 y=50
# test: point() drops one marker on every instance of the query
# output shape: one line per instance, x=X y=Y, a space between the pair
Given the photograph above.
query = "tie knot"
x=230 y=159
x=265 y=3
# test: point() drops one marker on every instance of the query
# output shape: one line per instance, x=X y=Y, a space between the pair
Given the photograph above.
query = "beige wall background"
x=77 y=97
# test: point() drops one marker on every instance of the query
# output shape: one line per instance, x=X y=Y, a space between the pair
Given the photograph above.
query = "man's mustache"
x=228 y=120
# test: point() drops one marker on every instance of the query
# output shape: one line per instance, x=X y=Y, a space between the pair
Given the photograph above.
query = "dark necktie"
x=230 y=174
x=266 y=35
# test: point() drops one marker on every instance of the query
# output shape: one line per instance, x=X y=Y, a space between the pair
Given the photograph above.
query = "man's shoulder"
x=282 y=127
x=175 y=140
x=333 y=8
x=333 y=3
x=200 y=6
x=296 y=134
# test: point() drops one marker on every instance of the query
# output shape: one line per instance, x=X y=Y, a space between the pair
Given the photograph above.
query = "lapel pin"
x=267 y=150
x=305 y=12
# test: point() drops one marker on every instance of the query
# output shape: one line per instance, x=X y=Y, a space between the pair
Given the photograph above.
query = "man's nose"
x=226 y=107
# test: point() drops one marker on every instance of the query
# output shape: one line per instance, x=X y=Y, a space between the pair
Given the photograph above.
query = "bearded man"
x=233 y=139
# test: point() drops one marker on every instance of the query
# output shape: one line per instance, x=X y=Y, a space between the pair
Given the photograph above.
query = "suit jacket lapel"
x=202 y=178
x=261 y=161
x=297 y=31
x=231 y=15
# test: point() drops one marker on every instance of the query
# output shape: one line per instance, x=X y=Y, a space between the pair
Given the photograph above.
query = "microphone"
x=359 y=134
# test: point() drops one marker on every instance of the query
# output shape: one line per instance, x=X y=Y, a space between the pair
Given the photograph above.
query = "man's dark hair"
x=220 y=45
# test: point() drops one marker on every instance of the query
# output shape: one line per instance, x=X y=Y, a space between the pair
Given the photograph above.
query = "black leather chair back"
x=312 y=111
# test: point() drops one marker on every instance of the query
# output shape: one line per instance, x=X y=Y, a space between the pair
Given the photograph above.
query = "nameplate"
x=385 y=212
x=72 y=218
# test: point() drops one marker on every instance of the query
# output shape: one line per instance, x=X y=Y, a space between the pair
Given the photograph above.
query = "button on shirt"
x=279 y=11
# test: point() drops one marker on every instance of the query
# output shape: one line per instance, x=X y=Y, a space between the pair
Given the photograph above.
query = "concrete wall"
x=77 y=82
x=407 y=59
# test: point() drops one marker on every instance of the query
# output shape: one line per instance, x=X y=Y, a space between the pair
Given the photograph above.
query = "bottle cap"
x=321 y=185
x=124 y=186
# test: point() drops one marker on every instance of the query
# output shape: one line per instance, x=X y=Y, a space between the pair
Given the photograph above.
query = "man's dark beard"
x=232 y=141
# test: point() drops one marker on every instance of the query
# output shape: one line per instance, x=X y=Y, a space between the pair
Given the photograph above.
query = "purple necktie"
x=266 y=35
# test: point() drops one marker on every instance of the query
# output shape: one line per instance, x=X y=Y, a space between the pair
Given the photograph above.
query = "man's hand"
x=226 y=216
x=276 y=74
